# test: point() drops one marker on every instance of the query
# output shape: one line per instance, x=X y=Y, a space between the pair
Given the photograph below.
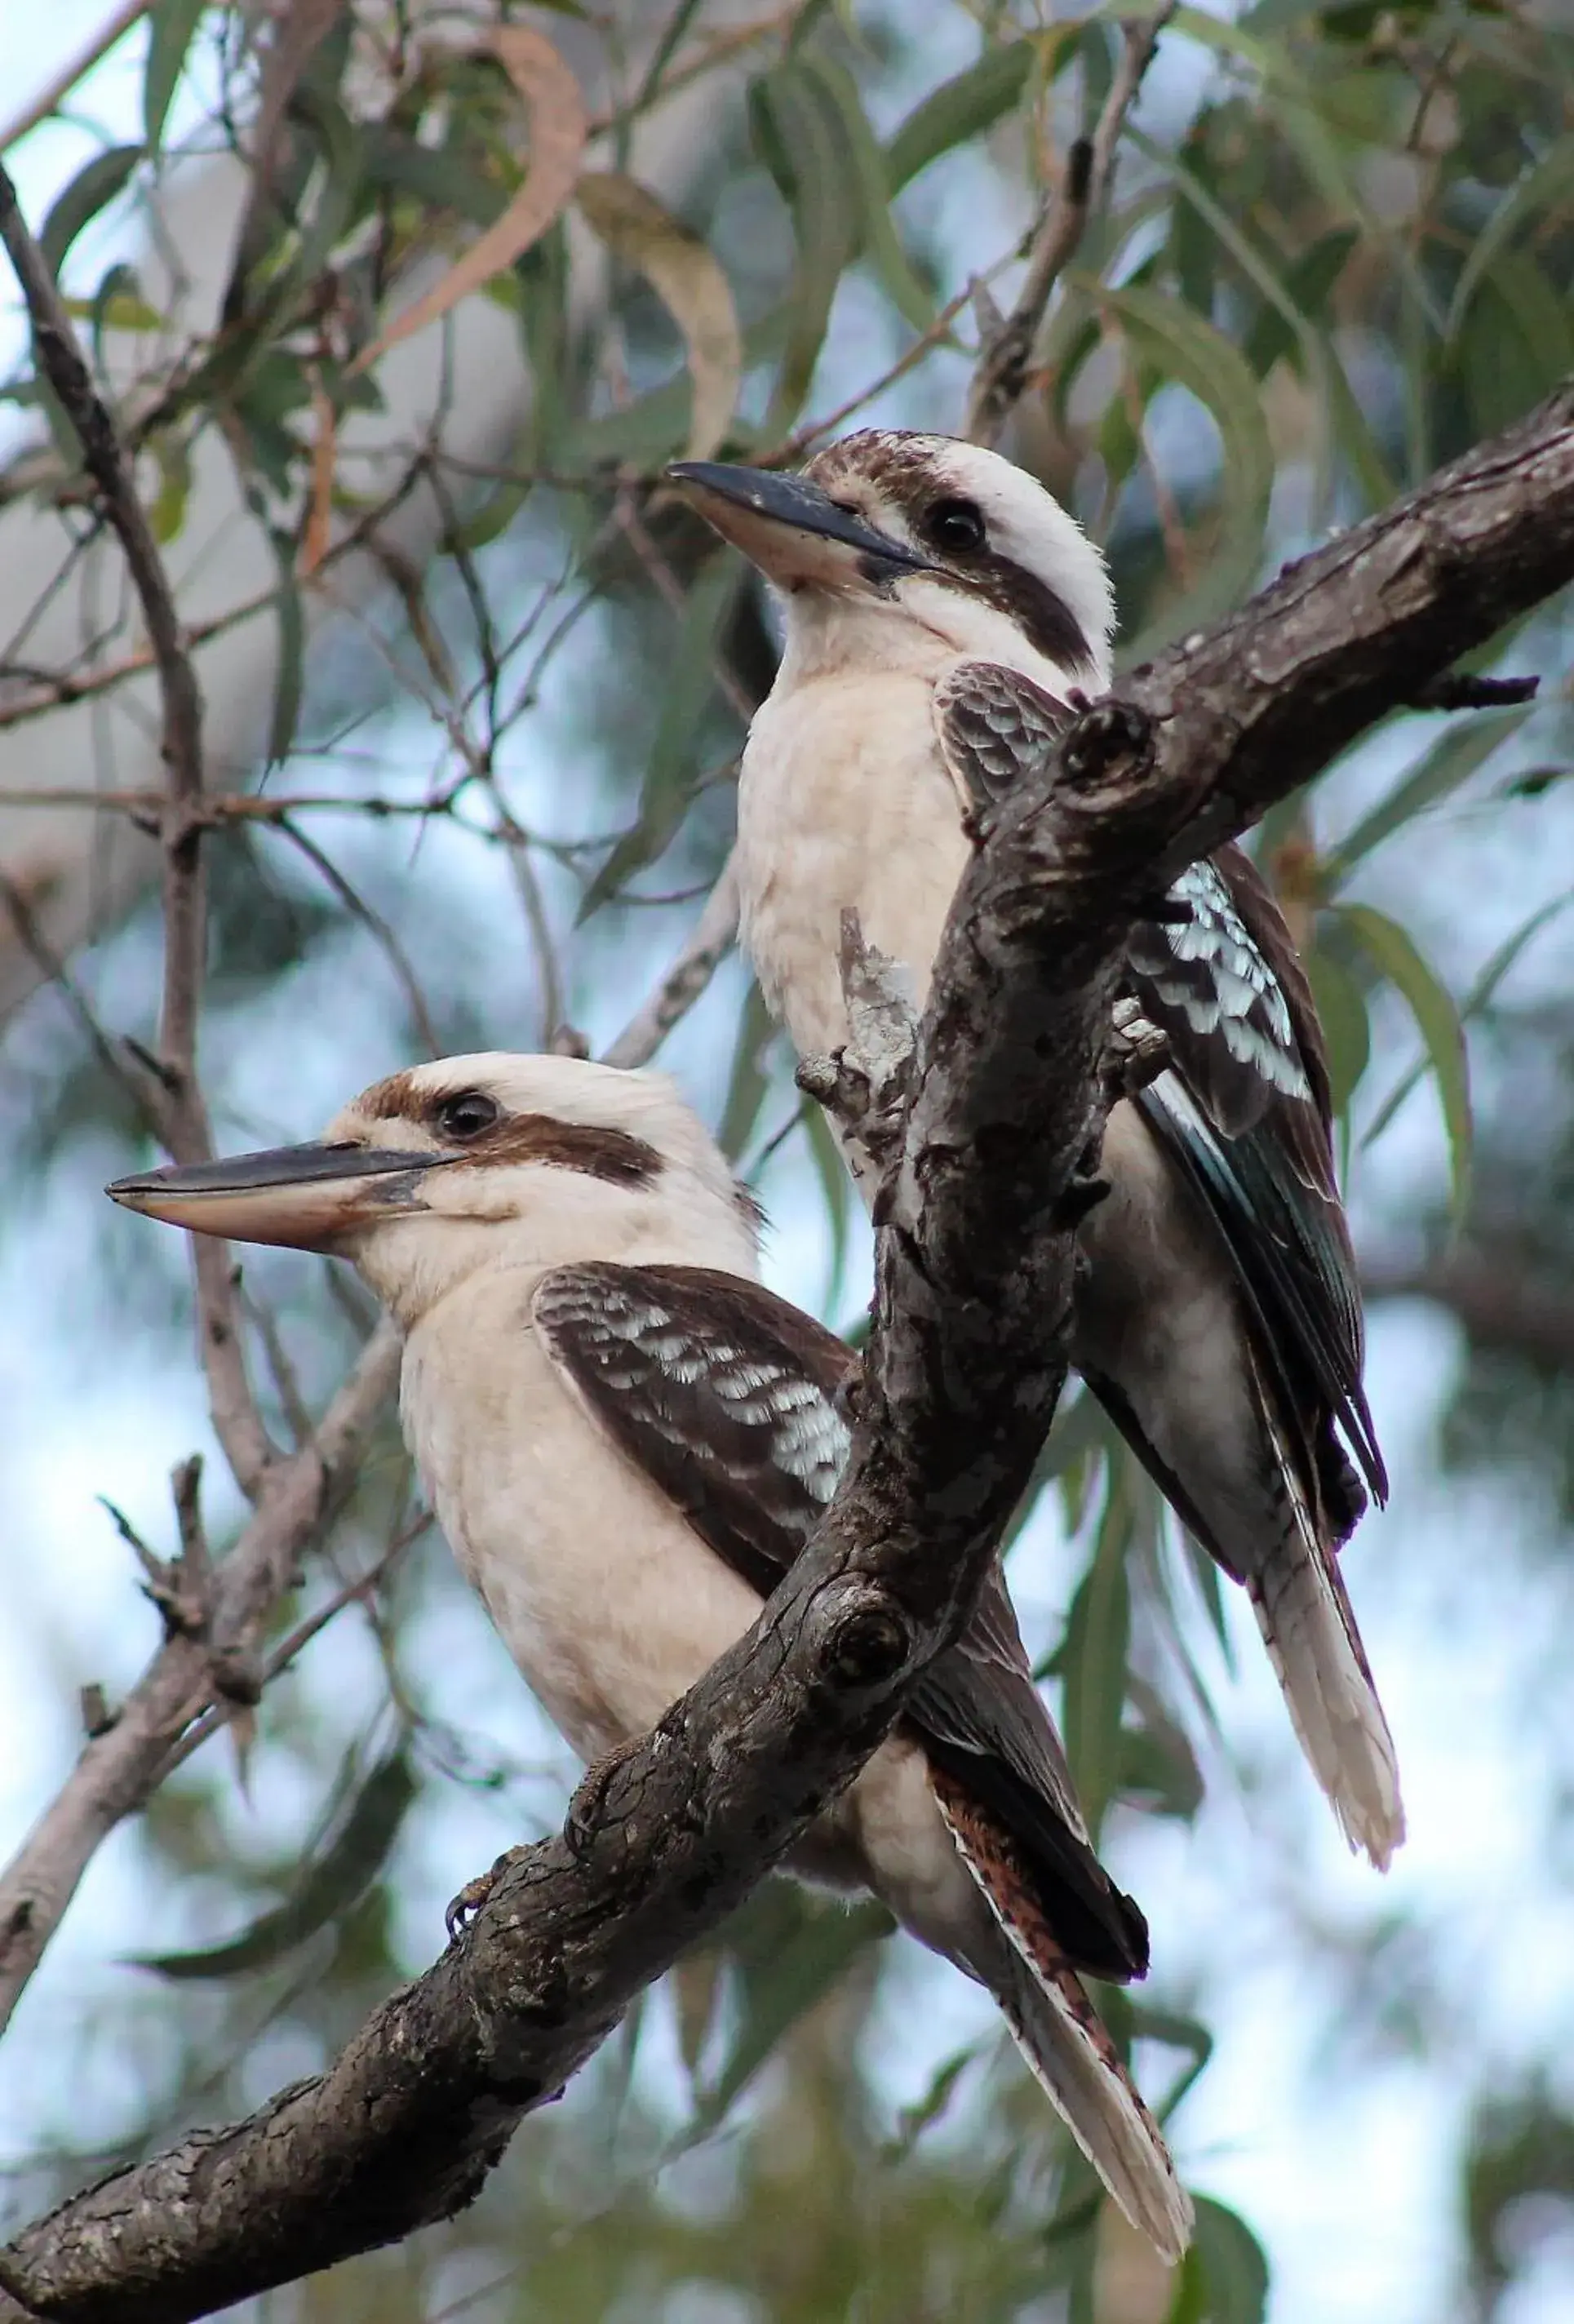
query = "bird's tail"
x=1068 y=2048
x=1309 y=1628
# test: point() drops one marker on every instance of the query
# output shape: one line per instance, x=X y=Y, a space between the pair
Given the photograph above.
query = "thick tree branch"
x=965 y=1361
x=1001 y=373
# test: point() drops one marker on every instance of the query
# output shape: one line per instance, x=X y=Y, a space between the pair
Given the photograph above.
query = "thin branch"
x=183 y=1117
x=975 y=1270
x=1001 y=376
x=128 y=13
x=120 y=1768
x=714 y=935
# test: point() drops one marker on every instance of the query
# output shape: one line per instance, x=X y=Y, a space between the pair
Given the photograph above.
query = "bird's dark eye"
x=954 y=525
x=467 y=1113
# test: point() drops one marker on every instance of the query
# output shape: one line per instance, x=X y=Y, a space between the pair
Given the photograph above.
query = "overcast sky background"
x=1340 y=2159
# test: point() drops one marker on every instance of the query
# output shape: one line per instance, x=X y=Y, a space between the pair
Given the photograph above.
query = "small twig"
x=119 y=1770
x=713 y=938
x=670 y=590
x=144 y=1089
x=99 y=45
x=1001 y=375
x=291 y=1648
x=398 y=958
x=184 y=1126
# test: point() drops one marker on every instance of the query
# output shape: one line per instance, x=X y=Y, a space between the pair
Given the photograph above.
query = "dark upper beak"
x=305 y=1197
x=789 y=527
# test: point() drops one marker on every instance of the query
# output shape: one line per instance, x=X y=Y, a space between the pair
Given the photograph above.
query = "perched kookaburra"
x=941 y=611
x=627 y=1439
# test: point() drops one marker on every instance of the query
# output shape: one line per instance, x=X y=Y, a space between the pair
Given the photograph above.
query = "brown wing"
x=992 y=724
x=726 y=1398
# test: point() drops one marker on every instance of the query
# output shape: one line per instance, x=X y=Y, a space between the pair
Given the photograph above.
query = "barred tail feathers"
x=1067 y=2047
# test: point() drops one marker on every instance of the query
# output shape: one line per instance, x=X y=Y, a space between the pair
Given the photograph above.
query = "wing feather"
x=729 y=1399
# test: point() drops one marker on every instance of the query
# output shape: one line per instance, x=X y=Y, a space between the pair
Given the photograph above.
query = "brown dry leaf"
x=314 y=546
x=690 y=284
x=558 y=126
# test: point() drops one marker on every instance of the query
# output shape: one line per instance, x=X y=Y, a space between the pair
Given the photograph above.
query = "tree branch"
x=1497 y=1305
x=1001 y=373
x=966 y=1357
x=122 y=1763
x=182 y=1117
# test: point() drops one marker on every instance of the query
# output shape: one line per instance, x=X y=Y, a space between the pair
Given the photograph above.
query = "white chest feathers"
x=844 y=800
x=607 y=1600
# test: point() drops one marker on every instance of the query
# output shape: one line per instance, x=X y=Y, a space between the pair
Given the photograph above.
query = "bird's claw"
x=463 y=1908
x=590 y=1797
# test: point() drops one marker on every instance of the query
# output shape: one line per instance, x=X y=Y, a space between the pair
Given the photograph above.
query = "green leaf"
x=1182 y=346
x=92 y=189
x=439 y=179
x=1341 y=414
x=1097 y=1641
x=167 y=510
x=748 y=1080
x=1450 y=761
x=1479 y=997
x=117 y=305
x=174 y=24
x=1341 y=1008
x=836 y=1190
x=788 y=1948
x=958 y=111
x=912 y=297
x=288 y=674
x=688 y=279
x=686 y=700
x=798 y=136
x=1308 y=286
x=331 y=1884
x=1517 y=340
x=1534 y=199
x=1393 y=951
x=1224 y=2277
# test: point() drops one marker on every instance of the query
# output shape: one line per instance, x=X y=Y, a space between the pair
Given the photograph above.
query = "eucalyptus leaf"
x=671 y=771
x=173 y=24
x=92 y=189
x=958 y=111
x=1393 y=951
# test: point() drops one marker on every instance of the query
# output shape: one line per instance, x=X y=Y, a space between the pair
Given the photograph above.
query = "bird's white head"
x=888 y=531
x=475 y=1163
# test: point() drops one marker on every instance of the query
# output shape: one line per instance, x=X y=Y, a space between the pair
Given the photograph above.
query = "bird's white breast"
x=607 y=1600
x=844 y=800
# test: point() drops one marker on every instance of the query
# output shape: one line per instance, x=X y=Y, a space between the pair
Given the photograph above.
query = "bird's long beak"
x=305 y=1197
x=794 y=532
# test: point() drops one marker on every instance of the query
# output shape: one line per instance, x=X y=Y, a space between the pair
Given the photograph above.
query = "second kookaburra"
x=627 y=1439
x=942 y=610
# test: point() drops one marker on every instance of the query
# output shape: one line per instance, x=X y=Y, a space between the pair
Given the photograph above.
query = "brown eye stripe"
x=614 y=1154
x=398 y=1099
x=904 y=474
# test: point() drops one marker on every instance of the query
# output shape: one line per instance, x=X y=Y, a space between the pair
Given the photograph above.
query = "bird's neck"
x=920 y=633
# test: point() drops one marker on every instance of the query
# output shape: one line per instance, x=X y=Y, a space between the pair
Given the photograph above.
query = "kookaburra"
x=941 y=611
x=627 y=1439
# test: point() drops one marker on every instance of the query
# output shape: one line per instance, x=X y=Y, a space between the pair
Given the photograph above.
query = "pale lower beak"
x=794 y=532
x=305 y=1197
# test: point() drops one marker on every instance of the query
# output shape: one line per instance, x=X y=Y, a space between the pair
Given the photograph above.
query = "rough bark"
x=965 y=1361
